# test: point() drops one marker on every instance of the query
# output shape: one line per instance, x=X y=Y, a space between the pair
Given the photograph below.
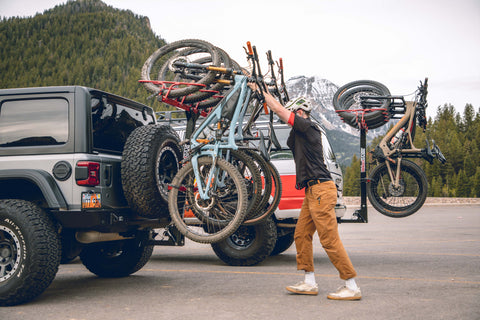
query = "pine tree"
x=463 y=186
x=476 y=183
x=351 y=182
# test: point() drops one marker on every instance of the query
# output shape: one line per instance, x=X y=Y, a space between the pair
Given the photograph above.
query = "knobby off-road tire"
x=348 y=96
x=203 y=96
x=269 y=208
x=249 y=245
x=29 y=251
x=397 y=202
x=267 y=183
x=283 y=243
x=244 y=163
x=150 y=161
x=216 y=218
x=116 y=259
x=148 y=71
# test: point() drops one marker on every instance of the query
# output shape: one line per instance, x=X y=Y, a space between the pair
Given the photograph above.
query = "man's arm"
x=277 y=107
x=285 y=115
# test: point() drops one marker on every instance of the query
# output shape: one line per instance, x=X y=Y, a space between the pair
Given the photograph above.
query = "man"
x=318 y=208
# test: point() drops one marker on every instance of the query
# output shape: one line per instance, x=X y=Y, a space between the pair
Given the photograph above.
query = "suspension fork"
x=205 y=186
x=394 y=177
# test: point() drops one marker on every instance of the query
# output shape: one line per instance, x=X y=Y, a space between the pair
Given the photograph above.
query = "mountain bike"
x=218 y=188
x=397 y=187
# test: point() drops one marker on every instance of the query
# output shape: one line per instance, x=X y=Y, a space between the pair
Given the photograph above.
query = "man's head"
x=301 y=106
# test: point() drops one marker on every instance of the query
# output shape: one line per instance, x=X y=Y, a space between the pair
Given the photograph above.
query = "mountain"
x=320 y=92
x=345 y=140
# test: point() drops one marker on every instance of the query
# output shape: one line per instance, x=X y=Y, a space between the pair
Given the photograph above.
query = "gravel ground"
x=430 y=201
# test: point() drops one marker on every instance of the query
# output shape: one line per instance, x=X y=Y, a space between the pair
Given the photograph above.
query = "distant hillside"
x=83 y=42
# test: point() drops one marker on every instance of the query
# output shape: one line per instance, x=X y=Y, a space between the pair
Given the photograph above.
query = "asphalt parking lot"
x=426 y=266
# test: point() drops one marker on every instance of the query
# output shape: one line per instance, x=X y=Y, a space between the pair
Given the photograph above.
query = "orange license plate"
x=91 y=200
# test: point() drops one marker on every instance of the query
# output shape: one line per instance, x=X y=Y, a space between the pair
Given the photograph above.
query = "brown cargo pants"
x=318 y=214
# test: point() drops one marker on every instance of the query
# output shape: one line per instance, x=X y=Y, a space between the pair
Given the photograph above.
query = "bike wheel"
x=348 y=97
x=273 y=197
x=253 y=180
x=215 y=88
x=266 y=182
x=161 y=56
x=401 y=201
x=212 y=220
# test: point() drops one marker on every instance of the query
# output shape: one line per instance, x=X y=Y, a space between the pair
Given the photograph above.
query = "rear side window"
x=113 y=122
x=34 y=122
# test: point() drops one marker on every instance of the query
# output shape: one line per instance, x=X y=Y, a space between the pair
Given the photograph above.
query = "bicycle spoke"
x=397 y=199
x=219 y=215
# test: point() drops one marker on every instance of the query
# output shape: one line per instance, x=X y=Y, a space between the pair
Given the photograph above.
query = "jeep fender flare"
x=43 y=180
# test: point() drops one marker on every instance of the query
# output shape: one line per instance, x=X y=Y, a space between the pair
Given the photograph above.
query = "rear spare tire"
x=151 y=158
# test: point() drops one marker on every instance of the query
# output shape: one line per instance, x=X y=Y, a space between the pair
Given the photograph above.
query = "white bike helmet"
x=299 y=103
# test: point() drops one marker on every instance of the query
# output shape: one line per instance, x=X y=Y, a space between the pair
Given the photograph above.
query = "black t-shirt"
x=305 y=141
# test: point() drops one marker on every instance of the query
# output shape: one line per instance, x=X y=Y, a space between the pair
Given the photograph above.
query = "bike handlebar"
x=250 y=50
x=258 y=78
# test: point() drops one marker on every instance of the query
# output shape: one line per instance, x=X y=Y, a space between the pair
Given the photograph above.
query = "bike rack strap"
x=360 y=115
x=165 y=87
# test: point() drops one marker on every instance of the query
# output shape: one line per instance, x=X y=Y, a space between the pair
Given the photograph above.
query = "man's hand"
x=253 y=86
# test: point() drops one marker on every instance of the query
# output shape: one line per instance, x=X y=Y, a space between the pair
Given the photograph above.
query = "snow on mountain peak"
x=320 y=92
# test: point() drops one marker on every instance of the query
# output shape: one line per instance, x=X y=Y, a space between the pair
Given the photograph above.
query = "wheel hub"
x=9 y=257
x=204 y=205
x=396 y=190
x=182 y=59
x=167 y=168
x=5 y=252
x=243 y=238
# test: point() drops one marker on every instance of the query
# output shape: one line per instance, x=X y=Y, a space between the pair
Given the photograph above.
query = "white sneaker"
x=344 y=293
x=304 y=288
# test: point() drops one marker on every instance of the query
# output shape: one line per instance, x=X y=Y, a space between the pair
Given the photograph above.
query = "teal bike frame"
x=238 y=98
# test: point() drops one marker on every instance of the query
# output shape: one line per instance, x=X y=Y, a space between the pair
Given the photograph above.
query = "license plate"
x=91 y=200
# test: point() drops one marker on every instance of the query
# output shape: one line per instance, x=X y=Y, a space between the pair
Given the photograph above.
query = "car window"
x=282 y=132
x=33 y=122
x=327 y=149
x=112 y=123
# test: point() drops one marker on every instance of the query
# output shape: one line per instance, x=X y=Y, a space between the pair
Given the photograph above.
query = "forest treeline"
x=88 y=43
x=81 y=42
x=458 y=136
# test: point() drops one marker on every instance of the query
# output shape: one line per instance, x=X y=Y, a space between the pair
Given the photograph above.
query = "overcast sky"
x=396 y=42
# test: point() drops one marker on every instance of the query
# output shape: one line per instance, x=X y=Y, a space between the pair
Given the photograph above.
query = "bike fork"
x=394 y=178
x=205 y=186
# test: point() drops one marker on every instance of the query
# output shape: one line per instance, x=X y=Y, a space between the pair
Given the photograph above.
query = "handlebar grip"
x=219 y=69
x=225 y=81
x=250 y=50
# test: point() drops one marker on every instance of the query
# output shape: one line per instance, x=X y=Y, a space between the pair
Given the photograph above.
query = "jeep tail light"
x=87 y=173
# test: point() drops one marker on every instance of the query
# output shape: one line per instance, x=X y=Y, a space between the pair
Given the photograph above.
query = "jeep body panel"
x=48 y=131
